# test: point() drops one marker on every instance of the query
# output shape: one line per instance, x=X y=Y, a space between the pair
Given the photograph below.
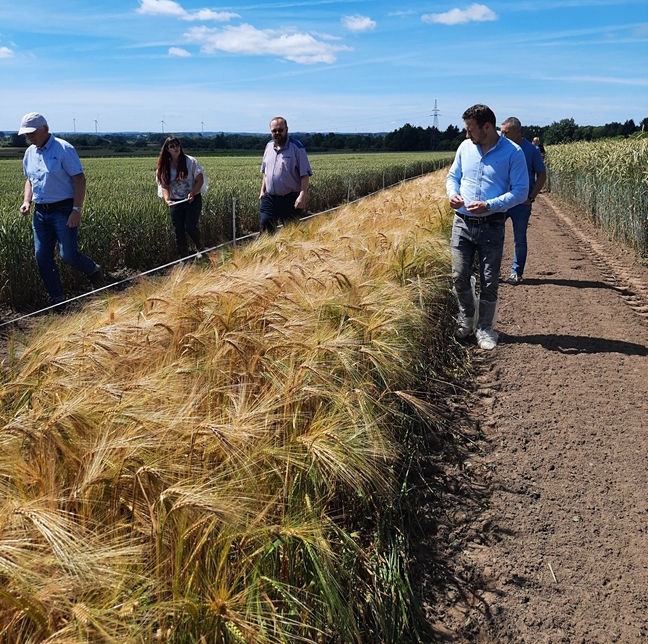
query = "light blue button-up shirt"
x=50 y=170
x=499 y=177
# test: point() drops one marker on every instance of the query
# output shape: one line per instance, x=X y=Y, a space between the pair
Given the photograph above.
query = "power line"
x=435 y=138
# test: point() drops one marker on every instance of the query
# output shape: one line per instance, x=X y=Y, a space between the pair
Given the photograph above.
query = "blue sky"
x=352 y=66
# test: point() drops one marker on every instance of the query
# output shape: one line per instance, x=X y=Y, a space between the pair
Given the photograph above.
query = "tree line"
x=408 y=138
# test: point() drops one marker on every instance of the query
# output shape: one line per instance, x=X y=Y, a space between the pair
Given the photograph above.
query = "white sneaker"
x=514 y=278
x=486 y=338
x=465 y=327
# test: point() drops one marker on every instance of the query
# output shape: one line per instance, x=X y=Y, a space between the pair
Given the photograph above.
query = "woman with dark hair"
x=181 y=182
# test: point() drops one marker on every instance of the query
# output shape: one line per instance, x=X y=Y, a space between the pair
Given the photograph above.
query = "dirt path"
x=544 y=532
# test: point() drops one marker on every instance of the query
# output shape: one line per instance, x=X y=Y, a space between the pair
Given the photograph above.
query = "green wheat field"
x=126 y=226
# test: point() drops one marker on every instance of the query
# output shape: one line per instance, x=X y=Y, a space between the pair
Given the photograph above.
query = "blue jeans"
x=50 y=228
x=486 y=239
x=520 y=216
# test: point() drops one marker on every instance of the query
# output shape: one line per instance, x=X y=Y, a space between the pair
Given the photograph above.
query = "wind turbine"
x=163 y=124
x=96 y=122
x=74 y=122
x=202 y=128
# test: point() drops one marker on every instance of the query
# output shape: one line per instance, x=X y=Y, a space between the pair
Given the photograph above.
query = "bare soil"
x=537 y=532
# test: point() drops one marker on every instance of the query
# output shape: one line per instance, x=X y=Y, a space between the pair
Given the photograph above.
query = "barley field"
x=219 y=455
x=608 y=180
x=126 y=226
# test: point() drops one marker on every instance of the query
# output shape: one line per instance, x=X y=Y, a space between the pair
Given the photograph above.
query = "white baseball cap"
x=31 y=122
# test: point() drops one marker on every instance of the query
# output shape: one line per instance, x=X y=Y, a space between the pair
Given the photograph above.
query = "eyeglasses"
x=278 y=130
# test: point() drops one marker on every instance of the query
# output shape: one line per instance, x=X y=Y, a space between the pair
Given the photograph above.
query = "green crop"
x=126 y=226
x=608 y=180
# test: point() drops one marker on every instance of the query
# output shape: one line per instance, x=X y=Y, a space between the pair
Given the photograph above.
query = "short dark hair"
x=480 y=113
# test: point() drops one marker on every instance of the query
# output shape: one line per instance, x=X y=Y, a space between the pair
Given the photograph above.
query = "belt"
x=55 y=205
x=288 y=194
x=475 y=221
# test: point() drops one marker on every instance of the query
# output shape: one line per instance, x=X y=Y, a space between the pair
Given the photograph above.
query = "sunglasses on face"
x=278 y=130
x=173 y=146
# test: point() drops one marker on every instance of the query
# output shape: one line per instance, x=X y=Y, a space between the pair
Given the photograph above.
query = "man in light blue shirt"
x=57 y=186
x=512 y=129
x=488 y=177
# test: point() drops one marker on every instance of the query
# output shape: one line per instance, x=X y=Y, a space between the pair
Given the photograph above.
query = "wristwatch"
x=487 y=206
x=78 y=208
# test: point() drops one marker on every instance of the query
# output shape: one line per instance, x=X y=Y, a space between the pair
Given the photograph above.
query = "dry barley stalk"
x=200 y=455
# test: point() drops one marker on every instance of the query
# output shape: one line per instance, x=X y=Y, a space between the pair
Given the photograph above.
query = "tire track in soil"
x=632 y=289
x=538 y=531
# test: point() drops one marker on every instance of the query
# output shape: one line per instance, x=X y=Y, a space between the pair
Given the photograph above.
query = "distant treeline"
x=408 y=138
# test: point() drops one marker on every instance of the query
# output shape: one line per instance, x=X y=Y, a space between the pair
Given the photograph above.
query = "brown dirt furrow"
x=612 y=260
x=556 y=549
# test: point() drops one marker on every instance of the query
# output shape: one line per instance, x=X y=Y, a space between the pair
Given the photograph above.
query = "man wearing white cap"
x=57 y=186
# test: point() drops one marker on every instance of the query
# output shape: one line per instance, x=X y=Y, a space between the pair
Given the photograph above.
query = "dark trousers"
x=275 y=208
x=184 y=218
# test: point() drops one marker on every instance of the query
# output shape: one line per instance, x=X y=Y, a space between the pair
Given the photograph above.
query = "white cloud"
x=171 y=8
x=358 y=23
x=474 y=13
x=208 y=14
x=161 y=8
x=324 y=36
x=245 y=39
x=5 y=52
x=178 y=51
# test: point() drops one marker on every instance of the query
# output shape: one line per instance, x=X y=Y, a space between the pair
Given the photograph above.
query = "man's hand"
x=456 y=201
x=300 y=202
x=477 y=208
x=25 y=208
x=74 y=219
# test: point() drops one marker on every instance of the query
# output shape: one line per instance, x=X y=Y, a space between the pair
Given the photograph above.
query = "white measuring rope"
x=196 y=255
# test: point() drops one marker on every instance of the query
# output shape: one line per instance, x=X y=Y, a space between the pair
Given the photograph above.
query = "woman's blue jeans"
x=51 y=228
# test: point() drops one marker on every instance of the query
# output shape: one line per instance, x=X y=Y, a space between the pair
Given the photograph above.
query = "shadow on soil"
x=575 y=344
x=576 y=284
